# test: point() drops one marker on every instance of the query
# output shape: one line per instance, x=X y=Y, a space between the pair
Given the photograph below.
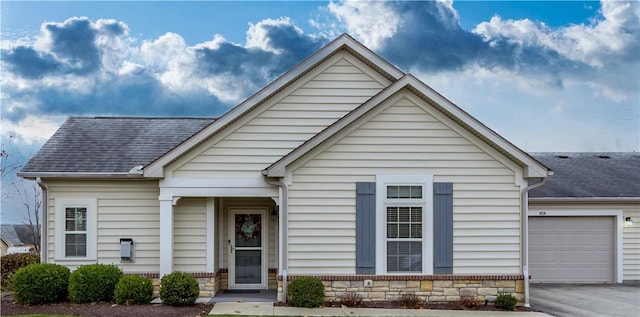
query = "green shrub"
x=41 y=283
x=179 y=289
x=11 y=263
x=506 y=301
x=133 y=289
x=93 y=283
x=306 y=291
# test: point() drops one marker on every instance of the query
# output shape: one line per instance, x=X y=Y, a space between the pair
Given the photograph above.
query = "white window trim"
x=426 y=181
x=92 y=227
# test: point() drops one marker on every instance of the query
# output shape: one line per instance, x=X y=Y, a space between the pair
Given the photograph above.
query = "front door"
x=247 y=244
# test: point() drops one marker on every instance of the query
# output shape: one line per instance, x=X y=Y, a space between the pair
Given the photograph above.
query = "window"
x=75 y=236
x=404 y=223
x=75 y=229
x=404 y=228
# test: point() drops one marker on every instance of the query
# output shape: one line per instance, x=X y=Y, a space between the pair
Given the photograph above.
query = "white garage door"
x=572 y=249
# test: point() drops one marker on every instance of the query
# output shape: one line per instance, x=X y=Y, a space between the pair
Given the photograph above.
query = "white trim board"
x=618 y=214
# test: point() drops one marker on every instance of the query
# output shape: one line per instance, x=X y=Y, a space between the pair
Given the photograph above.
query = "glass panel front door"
x=247 y=249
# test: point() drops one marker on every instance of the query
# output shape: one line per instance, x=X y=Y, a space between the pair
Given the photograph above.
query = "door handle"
x=231 y=248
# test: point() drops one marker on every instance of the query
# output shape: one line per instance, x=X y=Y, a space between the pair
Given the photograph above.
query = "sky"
x=549 y=76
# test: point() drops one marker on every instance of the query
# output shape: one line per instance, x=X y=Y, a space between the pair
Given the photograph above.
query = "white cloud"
x=595 y=44
x=540 y=119
x=372 y=22
x=33 y=129
x=446 y=10
x=160 y=53
x=259 y=37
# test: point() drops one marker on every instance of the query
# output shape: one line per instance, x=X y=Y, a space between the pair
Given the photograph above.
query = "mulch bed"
x=9 y=307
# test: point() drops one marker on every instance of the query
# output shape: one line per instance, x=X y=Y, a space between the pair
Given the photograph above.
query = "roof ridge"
x=150 y=118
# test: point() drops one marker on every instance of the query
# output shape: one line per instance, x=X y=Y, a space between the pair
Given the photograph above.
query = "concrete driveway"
x=586 y=300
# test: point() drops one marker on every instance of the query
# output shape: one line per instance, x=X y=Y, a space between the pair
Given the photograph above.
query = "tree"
x=31 y=198
x=9 y=162
x=28 y=193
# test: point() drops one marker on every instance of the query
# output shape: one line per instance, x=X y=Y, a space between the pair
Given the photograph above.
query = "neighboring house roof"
x=590 y=175
x=17 y=235
x=109 y=146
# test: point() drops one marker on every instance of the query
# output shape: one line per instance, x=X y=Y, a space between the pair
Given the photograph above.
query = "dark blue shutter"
x=365 y=228
x=443 y=228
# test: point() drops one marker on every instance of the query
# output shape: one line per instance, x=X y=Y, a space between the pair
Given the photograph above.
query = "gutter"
x=36 y=175
x=45 y=213
x=525 y=234
x=283 y=231
x=584 y=199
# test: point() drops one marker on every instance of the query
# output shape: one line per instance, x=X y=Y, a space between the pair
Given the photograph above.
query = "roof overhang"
x=531 y=167
x=344 y=42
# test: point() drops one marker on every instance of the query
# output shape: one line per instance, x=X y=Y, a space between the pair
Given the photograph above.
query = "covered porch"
x=227 y=242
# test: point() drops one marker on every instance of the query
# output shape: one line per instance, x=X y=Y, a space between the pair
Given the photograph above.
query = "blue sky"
x=549 y=76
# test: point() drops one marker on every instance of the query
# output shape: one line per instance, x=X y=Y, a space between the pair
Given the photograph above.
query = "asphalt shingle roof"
x=590 y=175
x=110 y=144
x=117 y=144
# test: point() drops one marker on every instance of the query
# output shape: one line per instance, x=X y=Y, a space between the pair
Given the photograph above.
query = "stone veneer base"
x=210 y=283
x=429 y=288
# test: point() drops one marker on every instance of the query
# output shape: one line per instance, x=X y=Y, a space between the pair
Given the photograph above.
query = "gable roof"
x=343 y=42
x=107 y=146
x=590 y=175
x=532 y=167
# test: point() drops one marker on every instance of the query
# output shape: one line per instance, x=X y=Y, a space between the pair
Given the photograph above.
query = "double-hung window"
x=75 y=232
x=404 y=224
x=404 y=209
x=76 y=229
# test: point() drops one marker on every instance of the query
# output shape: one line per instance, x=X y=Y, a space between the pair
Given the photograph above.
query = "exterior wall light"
x=628 y=222
x=274 y=214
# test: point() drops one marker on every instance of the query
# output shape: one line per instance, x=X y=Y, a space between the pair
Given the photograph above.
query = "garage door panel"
x=572 y=249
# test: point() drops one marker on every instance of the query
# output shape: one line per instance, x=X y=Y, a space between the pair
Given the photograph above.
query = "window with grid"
x=404 y=209
x=75 y=236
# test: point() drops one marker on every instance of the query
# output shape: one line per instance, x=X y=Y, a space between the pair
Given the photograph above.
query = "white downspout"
x=284 y=190
x=525 y=236
x=45 y=220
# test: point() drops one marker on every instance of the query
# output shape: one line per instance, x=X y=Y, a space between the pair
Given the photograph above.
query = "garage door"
x=572 y=249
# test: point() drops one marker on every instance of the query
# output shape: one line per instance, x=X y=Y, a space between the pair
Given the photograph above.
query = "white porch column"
x=166 y=235
x=211 y=234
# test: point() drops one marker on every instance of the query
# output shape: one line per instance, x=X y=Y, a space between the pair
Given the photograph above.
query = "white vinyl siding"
x=285 y=121
x=407 y=137
x=124 y=209
x=630 y=236
x=190 y=233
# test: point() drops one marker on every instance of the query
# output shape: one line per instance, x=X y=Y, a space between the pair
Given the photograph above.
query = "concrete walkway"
x=267 y=309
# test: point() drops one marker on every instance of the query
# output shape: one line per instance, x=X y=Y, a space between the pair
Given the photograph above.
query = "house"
x=16 y=238
x=581 y=222
x=344 y=168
